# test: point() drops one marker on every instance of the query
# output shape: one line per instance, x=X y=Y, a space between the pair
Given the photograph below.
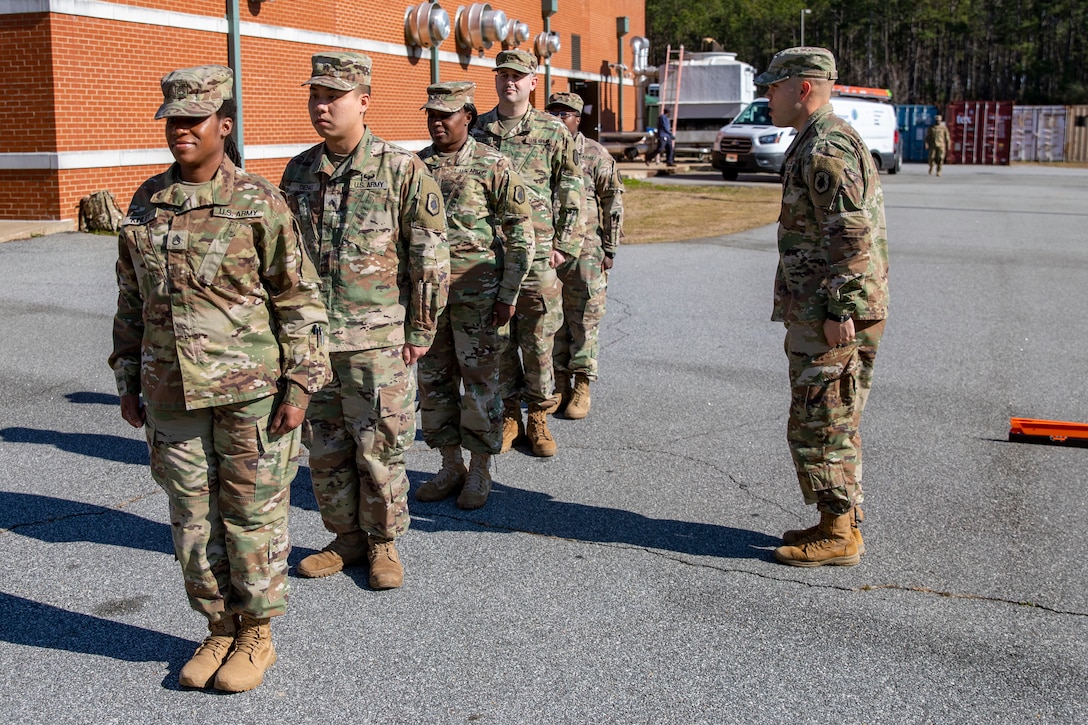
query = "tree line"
x=926 y=51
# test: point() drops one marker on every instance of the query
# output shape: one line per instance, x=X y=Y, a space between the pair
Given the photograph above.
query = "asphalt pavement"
x=630 y=578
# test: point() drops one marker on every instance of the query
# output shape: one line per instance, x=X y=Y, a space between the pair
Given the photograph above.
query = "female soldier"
x=485 y=204
x=220 y=331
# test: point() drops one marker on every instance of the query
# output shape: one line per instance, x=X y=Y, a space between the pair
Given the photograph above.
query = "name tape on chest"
x=138 y=221
x=228 y=213
x=297 y=187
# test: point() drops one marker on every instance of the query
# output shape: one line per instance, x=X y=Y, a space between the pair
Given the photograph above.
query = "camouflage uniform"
x=374 y=226
x=583 y=278
x=542 y=152
x=491 y=246
x=833 y=264
x=937 y=141
x=218 y=321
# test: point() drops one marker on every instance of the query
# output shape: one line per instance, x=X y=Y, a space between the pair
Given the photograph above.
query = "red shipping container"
x=981 y=132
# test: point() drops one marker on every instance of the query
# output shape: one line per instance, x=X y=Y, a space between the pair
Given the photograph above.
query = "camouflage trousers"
x=358 y=428
x=532 y=331
x=465 y=352
x=936 y=157
x=830 y=386
x=584 y=287
x=229 y=485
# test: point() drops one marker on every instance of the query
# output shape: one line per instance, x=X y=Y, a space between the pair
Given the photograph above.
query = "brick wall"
x=85 y=84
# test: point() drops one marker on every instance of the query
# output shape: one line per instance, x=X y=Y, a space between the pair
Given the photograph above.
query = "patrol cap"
x=520 y=60
x=804 y=62
x=571 y=100
x=449 y=97
x=342 y=70
x=195 y=92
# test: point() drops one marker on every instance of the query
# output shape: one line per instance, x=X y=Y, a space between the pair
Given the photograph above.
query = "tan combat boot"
x=478 y=486
x=561 y=397
x=386 y=571
x=200 y=670
x=512 y=426
x=540 y=438
x=449 y=479
x=345 y=550
x=578 y=407
x=253 y=654
x=795 y=537
x=835 y=544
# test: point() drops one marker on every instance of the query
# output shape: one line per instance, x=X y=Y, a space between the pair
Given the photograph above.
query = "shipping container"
x=981 y=132
x=1076 y=133
x=1038 y=133
x=914 y=121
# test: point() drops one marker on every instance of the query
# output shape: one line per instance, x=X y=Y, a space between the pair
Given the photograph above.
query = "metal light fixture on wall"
x=479 y=26
x=426 y=25
x=517 y=34
x=545 y=45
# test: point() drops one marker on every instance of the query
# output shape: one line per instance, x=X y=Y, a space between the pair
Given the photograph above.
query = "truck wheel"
x=730 y=174
x=897 y=165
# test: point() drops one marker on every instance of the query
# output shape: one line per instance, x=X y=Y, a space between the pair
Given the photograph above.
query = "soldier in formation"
x=831 y=291
x=585 y=278
x=218 y=344
x=542 y=153
x=371 y=218
x=937 y=142
x=491 y=241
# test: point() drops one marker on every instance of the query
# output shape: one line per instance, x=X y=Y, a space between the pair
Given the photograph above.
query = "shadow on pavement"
x=35 y=624
x=511 y=510
x=89 y=398
x=58 y=520
x=95 y=445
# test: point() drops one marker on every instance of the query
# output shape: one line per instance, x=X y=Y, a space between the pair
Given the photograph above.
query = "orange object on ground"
x=1032 y=430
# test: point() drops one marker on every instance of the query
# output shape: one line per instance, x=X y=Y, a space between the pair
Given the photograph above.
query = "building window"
x=575 y=52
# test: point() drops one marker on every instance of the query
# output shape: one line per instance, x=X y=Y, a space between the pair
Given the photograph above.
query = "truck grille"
x=736 y=145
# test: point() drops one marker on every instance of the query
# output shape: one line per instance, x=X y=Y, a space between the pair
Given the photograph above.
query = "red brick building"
x=82 y=80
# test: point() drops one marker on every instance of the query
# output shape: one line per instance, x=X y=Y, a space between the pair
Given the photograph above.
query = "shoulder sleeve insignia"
x=519 y=194
x=827 y=179
x=822 y=182
x=432 y=203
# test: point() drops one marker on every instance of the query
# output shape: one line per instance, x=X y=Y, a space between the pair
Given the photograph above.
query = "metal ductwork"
x=478 y=26
x=640 y=50
x=426 y=25
x=546 y=44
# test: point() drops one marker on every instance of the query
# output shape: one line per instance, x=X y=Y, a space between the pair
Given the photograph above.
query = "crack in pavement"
x=785 y=580
x=101 y=510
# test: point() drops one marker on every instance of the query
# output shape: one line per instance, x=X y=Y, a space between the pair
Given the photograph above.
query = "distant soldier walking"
x=585 y=279
x=218 y=344
x=831 y=291
x=490 y=233
x=937 y=142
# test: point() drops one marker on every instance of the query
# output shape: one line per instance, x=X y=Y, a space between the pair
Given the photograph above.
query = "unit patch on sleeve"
x=432 y=204
x=519 y=194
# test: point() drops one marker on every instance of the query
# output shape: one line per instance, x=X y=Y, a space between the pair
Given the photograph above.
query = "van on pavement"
x=750 y=143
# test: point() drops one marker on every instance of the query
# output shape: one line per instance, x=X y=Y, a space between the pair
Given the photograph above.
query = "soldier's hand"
x=838 y=333
x=132 y=410
x=606 y=264
x=286 y=419
x=411 y=353
x=557 y=258
x=501 y=313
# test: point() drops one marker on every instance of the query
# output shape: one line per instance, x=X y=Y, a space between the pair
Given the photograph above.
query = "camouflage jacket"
x=216 y=302
x=832 y=239
x=375 y=229
x=488 y=222
x=542 y=151
x=937 y=137
x=602 y=212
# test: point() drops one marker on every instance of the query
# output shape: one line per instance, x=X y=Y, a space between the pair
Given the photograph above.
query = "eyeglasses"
x=564 y=114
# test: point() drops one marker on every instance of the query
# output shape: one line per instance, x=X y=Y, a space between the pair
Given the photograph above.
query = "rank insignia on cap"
x=822 y=182
x=519 y=194
x=432 y=204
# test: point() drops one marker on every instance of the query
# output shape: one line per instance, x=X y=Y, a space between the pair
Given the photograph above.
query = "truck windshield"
x=756 y=114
